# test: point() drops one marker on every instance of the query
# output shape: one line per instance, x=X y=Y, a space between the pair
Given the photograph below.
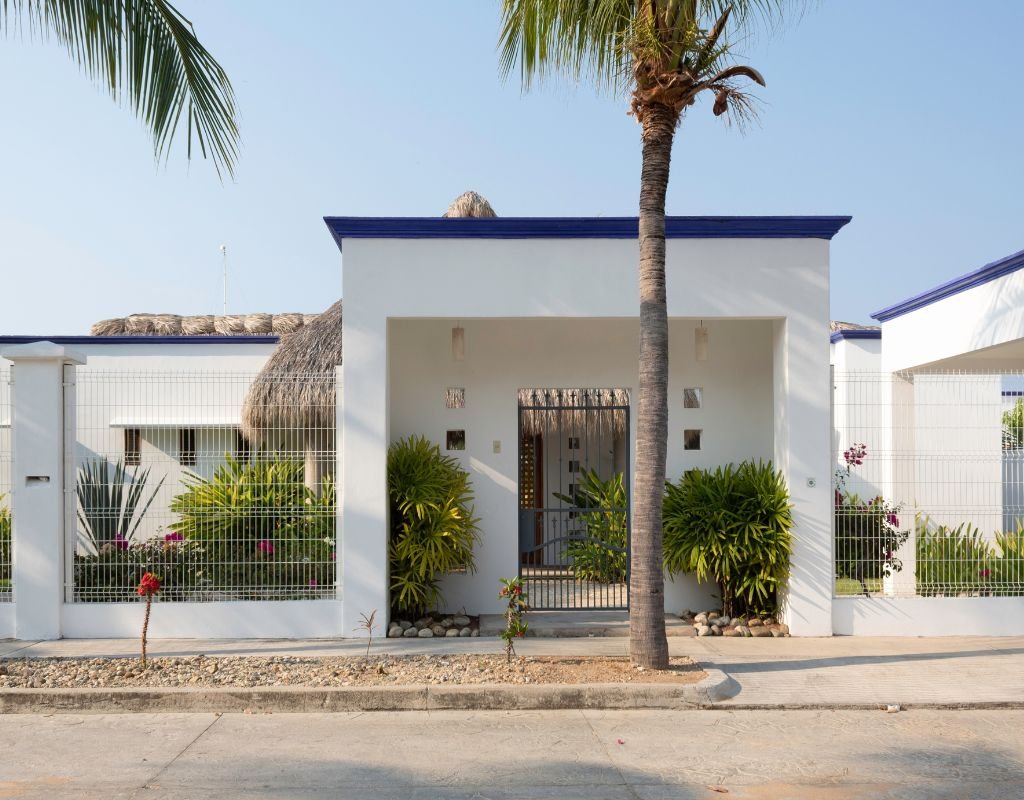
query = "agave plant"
x=110 y=502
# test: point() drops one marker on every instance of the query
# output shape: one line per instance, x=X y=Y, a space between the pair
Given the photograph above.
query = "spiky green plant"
x=732 y=526
x=433 y=530
x=145 y=52
x=602 y=554
x=5 y=545
x=111 y=502
x=952 y=559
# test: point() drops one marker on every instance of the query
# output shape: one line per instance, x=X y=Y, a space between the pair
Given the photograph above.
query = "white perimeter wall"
x=503 y=356
x=784 y=280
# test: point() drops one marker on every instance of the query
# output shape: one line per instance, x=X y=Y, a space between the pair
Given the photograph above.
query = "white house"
x=492 y=311
x=926 y=392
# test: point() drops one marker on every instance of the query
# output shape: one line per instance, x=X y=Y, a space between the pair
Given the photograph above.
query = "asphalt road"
x=559 y=755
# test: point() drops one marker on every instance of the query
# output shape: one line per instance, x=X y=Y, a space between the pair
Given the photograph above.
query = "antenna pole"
x=224 y=252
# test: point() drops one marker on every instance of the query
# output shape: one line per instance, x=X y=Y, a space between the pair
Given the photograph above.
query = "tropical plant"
x=110 y=503
x=145 y=52
x=1008 y=570
x=5 y=546
x=516 y=606
x=602 y=553
x=259 y=526
x=952 y=560
x=666 y=53
x=112 y=575
x=147 y=588
x=731 y=526
x=1013 y=426
x=867 y=532
x=433 y=530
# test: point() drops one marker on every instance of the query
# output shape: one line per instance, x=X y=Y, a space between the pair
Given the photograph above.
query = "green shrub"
x=112 y=575
x=260 y=529
x=110 y=503
x=5 y=546
x=433 y=530
x=731 y=526
x=1013 y=426
x=1008 y=570
x=602 y=555
x=952 y=560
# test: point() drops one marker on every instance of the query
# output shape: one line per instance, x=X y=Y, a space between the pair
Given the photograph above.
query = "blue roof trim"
x=263 y=339
x=581 y=227
x=989 y=272
x=854 y=333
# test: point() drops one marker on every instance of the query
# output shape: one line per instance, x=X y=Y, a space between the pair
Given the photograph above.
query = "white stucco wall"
x=959 y=326
x=506 y=355
x=783 y=280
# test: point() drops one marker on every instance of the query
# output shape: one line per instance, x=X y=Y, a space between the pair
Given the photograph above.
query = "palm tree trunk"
x=648 y=646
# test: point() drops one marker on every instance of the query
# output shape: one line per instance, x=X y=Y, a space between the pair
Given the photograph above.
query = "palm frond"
x=145 y=52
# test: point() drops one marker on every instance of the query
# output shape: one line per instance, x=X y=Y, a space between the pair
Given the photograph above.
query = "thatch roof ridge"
x=296 y=389
x=839 y=325
x=202 y=324
x=469 y=204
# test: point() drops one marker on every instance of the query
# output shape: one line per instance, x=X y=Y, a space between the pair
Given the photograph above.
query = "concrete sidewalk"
x=835 y=672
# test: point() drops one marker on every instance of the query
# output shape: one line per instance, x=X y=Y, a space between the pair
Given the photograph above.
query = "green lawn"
x=848 y=586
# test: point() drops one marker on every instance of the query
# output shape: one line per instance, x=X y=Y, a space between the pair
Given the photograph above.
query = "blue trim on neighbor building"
x=989 y=272
x=580 y=227
x=854 y=333
x=261 y=339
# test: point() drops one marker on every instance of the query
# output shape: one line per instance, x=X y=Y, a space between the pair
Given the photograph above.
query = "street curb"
x=717 y=686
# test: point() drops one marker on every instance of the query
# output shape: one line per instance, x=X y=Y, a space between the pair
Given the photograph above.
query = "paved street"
x=565 y=755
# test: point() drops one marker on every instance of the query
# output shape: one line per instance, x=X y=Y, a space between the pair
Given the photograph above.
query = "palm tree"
x=667 y=53
x=147 y=52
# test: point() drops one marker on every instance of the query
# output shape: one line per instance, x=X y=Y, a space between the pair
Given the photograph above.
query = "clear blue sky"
x=906 y=115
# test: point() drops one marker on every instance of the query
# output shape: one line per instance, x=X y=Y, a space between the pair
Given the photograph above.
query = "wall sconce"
x=458 y=343
x=701 y=343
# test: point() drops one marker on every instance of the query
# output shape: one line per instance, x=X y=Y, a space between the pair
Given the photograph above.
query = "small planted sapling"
x=515 y=612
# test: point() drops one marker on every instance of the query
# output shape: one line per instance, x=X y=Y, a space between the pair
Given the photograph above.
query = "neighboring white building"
x=926 y=393
x=496 y=306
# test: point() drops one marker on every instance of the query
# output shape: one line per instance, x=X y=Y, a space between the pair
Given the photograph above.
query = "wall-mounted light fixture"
x=701 y=343
x=458 y=343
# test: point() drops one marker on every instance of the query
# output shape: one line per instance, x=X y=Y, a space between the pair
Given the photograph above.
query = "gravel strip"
x=383 y=670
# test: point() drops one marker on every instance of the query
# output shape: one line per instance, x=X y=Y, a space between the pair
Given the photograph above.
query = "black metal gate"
x=574 y=498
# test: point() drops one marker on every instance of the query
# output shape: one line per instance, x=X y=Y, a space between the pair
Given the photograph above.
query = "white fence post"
x=37 y=485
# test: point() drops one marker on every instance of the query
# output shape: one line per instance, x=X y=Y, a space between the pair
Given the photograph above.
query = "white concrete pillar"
x=803 y=437
x=363 y=442
x=38 y=482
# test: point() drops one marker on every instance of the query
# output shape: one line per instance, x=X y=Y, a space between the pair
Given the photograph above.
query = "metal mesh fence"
x=169 y=480
x=6 y=560
x=929 y=484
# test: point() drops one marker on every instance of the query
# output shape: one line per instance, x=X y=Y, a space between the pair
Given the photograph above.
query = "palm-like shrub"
x=111 y=502
x=259 y=527
x=951 y=560
x=731 y=526
x=5 y=545
x=602 y=554
x=433 y=530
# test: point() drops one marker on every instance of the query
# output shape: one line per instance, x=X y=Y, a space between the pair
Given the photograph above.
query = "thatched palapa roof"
x=202 y=325
x=566 y=410
x=469 y=204
x=839 y=325
x=296 y=389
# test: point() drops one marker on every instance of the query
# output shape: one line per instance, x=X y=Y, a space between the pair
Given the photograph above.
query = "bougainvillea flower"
x=120 y=542
x=265 y=546
x=174 y=536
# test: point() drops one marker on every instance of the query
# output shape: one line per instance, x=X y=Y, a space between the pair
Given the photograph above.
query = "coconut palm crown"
x=145 y=52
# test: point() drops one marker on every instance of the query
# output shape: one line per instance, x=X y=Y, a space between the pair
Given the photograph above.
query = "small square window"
x=132 y=447
x=455 y=397
x=455 y=440
x=574 y=466
x=574 y=442
x=187 y=447
x=693 y=397
x=691 y=439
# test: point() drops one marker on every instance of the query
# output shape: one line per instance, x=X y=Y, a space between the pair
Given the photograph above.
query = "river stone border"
x=717 y=686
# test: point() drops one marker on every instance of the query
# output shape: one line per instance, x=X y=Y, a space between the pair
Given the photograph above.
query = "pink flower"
x=120 y=542
x=265 y=546
x=334 y=556
x=312 y=582
x=174 y=536
x=985 y=573
x=893 y=520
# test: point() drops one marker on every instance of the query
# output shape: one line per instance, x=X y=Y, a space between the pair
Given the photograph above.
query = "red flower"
x=265 y=546
x=149 y=585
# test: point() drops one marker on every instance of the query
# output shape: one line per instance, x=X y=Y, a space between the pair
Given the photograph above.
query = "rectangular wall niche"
x=693 y=397
x=691 y=438
x=574 y=442
x=455 y=440
x=455 y=397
